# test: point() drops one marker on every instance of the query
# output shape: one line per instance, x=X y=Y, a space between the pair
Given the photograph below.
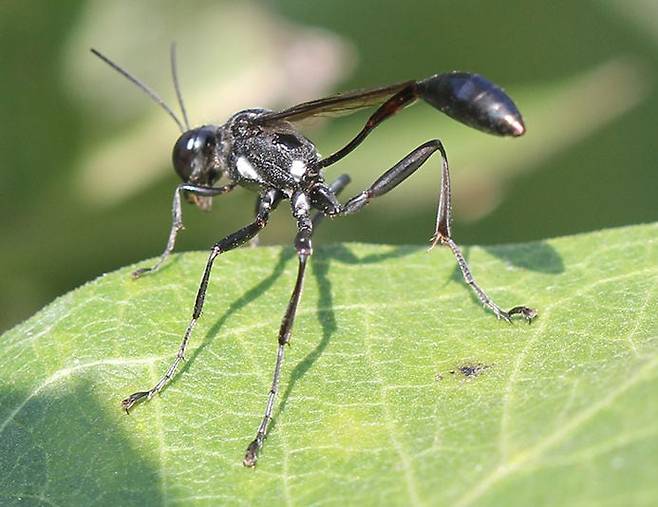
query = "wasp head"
x=196 y=160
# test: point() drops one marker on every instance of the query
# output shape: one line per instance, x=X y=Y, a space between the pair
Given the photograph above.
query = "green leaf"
x=398 y=387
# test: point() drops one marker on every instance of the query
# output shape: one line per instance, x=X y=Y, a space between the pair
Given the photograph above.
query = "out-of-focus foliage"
x=85 y=182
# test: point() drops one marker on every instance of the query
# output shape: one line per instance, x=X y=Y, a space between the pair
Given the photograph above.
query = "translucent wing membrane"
x=336 y=104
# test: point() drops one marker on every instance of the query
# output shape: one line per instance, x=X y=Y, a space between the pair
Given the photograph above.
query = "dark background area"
x=583 y=73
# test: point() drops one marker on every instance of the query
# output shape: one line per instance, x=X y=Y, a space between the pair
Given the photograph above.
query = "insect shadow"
x=251 y=295
x=320 y=264
x=538 y=257
x=325 y=313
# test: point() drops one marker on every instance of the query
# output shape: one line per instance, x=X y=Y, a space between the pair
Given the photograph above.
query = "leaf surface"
x=398 y=387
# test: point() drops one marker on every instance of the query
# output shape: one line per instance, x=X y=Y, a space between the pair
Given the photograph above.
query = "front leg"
x=234 y=240
x=177 y=219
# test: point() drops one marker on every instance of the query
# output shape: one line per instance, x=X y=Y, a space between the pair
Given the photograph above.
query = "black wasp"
x=263 y=151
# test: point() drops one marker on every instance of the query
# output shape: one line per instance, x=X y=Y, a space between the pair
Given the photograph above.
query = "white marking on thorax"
x=298 y=169
x=247 y=170
x=301 y=204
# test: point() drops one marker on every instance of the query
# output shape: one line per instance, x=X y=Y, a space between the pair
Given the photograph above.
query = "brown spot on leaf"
x=472 y=369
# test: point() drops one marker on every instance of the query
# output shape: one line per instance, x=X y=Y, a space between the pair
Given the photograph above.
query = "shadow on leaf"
x=249 y=296
x=61 y=448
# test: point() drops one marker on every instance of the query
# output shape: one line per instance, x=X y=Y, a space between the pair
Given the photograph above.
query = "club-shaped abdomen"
x=473 y=100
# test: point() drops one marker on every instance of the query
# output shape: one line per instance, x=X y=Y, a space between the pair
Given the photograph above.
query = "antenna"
x=174 y=75
x=154 y=96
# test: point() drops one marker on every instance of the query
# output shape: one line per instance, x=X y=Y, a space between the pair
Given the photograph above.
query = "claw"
x=527 y=313
x=130 y=401
x=139 y=272
x=251 y=456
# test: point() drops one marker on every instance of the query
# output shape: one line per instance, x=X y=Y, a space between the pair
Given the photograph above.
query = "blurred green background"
x=86 y=182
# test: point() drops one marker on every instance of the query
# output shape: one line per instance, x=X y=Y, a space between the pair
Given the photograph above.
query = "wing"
x=347 y=102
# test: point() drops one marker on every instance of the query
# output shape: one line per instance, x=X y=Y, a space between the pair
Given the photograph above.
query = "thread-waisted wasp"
x=263 y=151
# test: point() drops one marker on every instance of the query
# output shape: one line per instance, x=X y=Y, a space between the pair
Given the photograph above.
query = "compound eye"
x=193 y=152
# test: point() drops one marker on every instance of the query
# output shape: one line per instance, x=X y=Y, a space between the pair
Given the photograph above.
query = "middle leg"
x=269 y=201
x=304 y=247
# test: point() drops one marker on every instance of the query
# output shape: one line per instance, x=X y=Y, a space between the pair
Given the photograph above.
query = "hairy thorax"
x=276 y=155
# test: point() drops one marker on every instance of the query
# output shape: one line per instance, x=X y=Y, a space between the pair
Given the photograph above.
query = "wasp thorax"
x=195 y=155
